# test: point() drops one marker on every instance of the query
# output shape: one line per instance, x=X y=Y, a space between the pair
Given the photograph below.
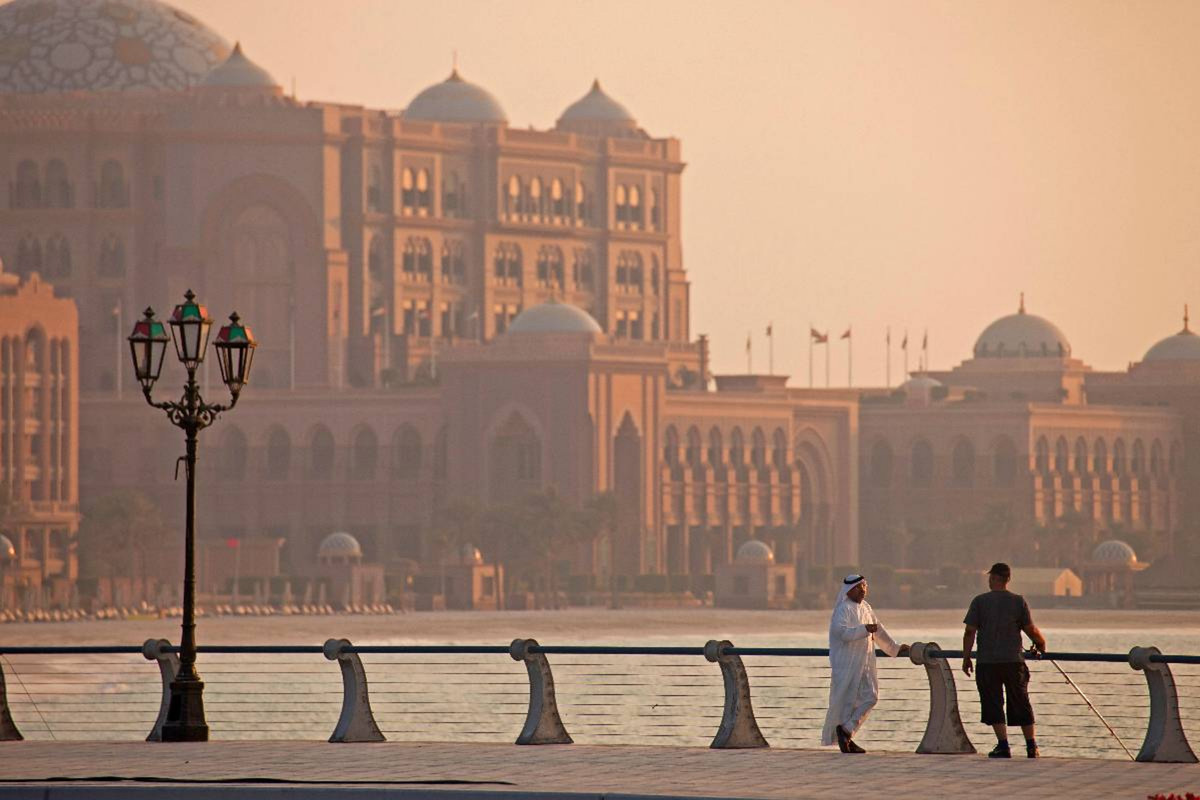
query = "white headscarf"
x=848 y=583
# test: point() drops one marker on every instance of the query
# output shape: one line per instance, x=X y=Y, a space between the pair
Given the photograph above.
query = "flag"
x=770 y=325
x=925 y=340
x=888 y=339
x=904 y=342
x=747 y=343
x=817 y=336
x=846 y=335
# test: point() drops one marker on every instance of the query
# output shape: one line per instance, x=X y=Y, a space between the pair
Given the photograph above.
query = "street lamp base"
x=185 y=714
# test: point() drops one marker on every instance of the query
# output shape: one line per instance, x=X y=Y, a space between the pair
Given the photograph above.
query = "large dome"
x=239 y=72
x=103 y=46
x=554 y=317
x=1022 y=335
x=754 y=551
x=455 y=100
x=1183 y=346
x=597 y=106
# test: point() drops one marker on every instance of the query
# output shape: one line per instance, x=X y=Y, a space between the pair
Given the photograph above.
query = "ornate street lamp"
x=190 y=327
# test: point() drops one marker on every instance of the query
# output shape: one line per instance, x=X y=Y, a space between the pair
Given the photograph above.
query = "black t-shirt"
x=999 y=616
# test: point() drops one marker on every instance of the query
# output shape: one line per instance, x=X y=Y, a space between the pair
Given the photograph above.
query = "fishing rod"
x=1036 y=654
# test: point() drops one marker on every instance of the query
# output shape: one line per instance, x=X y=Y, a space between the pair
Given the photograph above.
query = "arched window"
x=1174 y=463
x=922 y=463
x=654 y=272
x=377 y=273
x=582 y=206
x=881 y=464
x=737 y=449
x=424 y=193
x=321 y=454
x=408 y=190
x=1081 y=457
x=758 y=449
x=1119 y=465
x=515 y=459
x=406 y=454
x=779 y=450
x=655 y=210
x=1062 y=456
x=671 y=446
x=1004 y=463
x=621 y=199
x=558 y=200
x=963 y=463
x=453 y=263
x=512 y=198
x=695 y=448
x=29 y=255
x=375 y=189
x=113 y=192
x=535 y=198
x=364 y=455
x=112 y=257
x=629 y=271
x=279 y=455
x=58 y=187
x=440 y=453
x=58 y=257
x=506 y=264
x=28 y=191
x=1156 y=459
x=452 y=191
x=232 y=460
x=1042 y=457
x=583 y=269
x=1100 y=457
x=716 y=452
x=550 y=266
x=635 y=207
x=1137 y=464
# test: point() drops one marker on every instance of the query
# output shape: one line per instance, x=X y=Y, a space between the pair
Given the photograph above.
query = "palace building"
x=449 y=306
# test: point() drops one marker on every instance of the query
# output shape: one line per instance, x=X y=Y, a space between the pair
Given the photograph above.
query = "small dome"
x=1022 y=335
x=1183 y=346
x=103 y=46
x=7 y=551
x=755 y=552
x=239 y=72
x=596 y=107
x=455 y=100
x=920 y=383
x=1114 y=551
x=339 y=544
x=554 y=317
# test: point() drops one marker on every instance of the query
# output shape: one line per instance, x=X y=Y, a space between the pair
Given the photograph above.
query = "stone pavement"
x=302 y=770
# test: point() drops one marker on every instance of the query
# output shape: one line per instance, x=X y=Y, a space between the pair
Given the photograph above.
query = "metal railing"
x=593 y=694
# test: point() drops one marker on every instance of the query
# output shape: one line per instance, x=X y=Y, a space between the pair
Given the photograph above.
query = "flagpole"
x=827 y=349
x=810 y=355
x=850 y=360
x=905 y=376
x=749 y=357
x=770 y=348
x=889 y=357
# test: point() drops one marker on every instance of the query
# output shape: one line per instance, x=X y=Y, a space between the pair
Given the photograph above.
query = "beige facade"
x=39 y=430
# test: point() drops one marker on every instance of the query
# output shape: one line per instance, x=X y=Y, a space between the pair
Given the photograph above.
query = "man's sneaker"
x=1001 y=751
x=1031 y=750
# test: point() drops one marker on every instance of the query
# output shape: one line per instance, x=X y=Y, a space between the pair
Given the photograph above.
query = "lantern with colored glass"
x=235 y=352
x=148 y=345
x=190 y=327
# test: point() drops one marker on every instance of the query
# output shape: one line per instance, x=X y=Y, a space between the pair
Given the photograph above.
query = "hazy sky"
x=912 y=164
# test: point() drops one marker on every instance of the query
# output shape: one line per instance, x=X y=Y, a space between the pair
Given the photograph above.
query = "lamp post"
x=190 y=327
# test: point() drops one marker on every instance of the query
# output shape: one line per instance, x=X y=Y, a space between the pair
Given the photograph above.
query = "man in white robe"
x=854 y=633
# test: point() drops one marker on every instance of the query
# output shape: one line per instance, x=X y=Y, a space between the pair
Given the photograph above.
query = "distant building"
x=754 y=580
x=39 y=429
x=1036 y=582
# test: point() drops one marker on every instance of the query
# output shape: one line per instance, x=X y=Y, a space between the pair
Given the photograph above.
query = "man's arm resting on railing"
x=968 y=643
x=1035 y=635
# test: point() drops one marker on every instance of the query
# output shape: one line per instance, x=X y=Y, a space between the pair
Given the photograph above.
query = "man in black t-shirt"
x=998 y=617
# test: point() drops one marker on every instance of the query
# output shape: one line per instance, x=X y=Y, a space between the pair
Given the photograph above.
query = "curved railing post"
x=738 y=728
x=8 y=728
x=168 y=665
x=356 y=723
x=543 y=725
x=1165 y=739
x=944 y=733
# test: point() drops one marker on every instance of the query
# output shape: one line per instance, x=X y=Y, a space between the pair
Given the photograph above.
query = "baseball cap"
x=1001 y=570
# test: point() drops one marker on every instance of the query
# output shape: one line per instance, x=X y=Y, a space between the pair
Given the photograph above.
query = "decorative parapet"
x=168 y=667
x=1165 y=741
x=356 y=723
x=739 y=728
x=543 y=725
x=944 y=733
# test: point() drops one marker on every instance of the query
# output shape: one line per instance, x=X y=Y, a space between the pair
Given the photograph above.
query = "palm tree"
x=600 y=517
x=455 y=525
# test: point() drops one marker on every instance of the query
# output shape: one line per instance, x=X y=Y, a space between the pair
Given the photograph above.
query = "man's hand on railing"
x=967 y=666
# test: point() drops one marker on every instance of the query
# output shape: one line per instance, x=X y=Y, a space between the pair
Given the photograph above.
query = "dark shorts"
x=995 y=682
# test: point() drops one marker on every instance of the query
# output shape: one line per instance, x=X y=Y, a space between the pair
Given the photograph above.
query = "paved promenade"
x=301 y=770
